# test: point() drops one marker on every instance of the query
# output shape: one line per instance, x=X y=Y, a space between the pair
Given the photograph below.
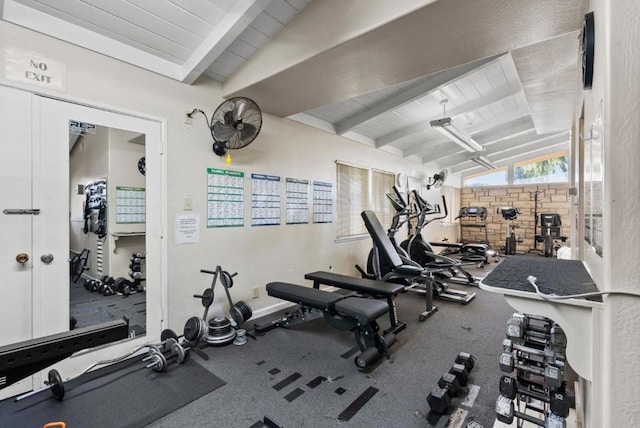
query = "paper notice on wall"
x=187 y=228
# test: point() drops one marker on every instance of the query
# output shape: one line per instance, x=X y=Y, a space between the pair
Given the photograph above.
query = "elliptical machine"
x=509 y=214
x=421 y=252
x=379 y=267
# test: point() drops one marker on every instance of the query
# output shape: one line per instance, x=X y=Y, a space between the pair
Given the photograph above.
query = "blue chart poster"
x=297 y=201
x=322 y=202
x=225 y=198
x=265 y=200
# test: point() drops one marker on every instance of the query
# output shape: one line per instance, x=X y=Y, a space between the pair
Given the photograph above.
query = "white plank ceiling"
x=505 y=99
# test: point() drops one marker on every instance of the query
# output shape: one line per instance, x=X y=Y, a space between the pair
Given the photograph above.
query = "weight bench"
x=366 y=287
x=341 y=312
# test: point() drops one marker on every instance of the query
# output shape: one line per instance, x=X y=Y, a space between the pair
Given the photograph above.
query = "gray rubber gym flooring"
x=297 y=377
x=92 y=308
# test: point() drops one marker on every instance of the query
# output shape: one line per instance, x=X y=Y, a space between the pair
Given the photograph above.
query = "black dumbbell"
x=467 y=360
x=439 y=398
x=508 y=387
x=460 y=372
x=504 y=410
x=558 y=404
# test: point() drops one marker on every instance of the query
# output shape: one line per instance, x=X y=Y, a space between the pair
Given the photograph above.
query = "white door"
x=33 y=183
x=15 y=229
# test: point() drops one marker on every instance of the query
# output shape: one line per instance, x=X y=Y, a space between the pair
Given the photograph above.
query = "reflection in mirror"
x=107 y=226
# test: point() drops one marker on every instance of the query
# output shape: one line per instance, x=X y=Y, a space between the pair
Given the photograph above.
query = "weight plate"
x=207 y=297
x=168 y=333
x=194 y=329
x=226 y=280
x=57 y=385
x=220 y=340
x=142 y=166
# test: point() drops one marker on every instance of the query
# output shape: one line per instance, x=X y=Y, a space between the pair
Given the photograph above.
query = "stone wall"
x=553 y=198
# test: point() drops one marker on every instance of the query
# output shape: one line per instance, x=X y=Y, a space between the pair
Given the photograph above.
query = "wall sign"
x=265 y=200
x=225 y=198
x=322 y=202
x=34 y=69
x=130 y=205
x=297 y=201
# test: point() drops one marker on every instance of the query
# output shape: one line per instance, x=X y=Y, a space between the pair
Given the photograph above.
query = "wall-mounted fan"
x=234 y=124
x=438 y=179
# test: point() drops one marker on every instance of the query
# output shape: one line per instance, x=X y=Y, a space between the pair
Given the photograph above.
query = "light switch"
x=188 y=202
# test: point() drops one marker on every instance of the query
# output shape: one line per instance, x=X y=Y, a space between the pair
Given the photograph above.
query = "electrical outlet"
x=187 y=204
x=188 y=120
x=330 y=268
x=256 y=292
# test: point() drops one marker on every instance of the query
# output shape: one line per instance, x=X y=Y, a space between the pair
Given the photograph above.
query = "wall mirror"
x=107 y=226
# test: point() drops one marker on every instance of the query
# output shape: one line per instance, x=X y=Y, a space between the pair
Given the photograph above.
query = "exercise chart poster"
x=225 y=198
x=265 y=200
x=322 y=202
x=297 y=201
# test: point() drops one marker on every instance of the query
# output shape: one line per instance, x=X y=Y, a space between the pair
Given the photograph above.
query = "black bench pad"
x=362 y=285
x=364 y=310
x=307 y=296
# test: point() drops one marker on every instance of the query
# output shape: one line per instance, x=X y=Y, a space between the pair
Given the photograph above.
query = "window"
x=552 y=168
x=352 y=199
x=495 y=177
x=381 y=183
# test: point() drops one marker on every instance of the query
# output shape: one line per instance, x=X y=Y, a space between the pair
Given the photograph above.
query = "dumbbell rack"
x=534 y=358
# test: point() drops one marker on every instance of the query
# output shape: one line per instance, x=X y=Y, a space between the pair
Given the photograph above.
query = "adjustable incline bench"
x=341 y=312
x=365 y=288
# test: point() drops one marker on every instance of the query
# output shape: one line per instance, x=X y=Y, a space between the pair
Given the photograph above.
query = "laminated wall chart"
x=130 y=205
x=265 y=200
x=225 y=198
x=297 y=201
x=322 y=202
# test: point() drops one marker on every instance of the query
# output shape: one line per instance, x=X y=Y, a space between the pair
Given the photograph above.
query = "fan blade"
x=222 y=132
x=248 y=132
x=228 y=118
x=235 y=142
x=238 y=110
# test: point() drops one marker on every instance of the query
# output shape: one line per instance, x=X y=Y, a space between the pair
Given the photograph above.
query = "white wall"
x=283 y=148
x=617 y=86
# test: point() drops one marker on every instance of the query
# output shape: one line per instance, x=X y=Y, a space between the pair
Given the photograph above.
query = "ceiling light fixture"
x=446 y=128
x=484 y=162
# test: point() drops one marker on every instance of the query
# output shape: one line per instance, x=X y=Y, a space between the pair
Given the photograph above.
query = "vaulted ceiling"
x=505 y=71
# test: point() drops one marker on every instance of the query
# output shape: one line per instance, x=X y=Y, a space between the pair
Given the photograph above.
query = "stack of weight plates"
x=220 y=332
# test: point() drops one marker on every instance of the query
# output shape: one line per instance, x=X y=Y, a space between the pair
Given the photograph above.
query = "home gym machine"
x=473 y=218
x=509 y=214
x=550 y=233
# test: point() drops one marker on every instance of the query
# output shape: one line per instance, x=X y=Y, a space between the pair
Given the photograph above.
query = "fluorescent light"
x=484 y=162
x=445 y=127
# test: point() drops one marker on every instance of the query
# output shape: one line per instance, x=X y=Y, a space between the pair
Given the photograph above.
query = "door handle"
x=46 y=258
x=21 y=211
x=22 y=258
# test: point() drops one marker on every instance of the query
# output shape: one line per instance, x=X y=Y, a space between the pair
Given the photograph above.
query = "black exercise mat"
x=123 y=395
x=554 y=276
